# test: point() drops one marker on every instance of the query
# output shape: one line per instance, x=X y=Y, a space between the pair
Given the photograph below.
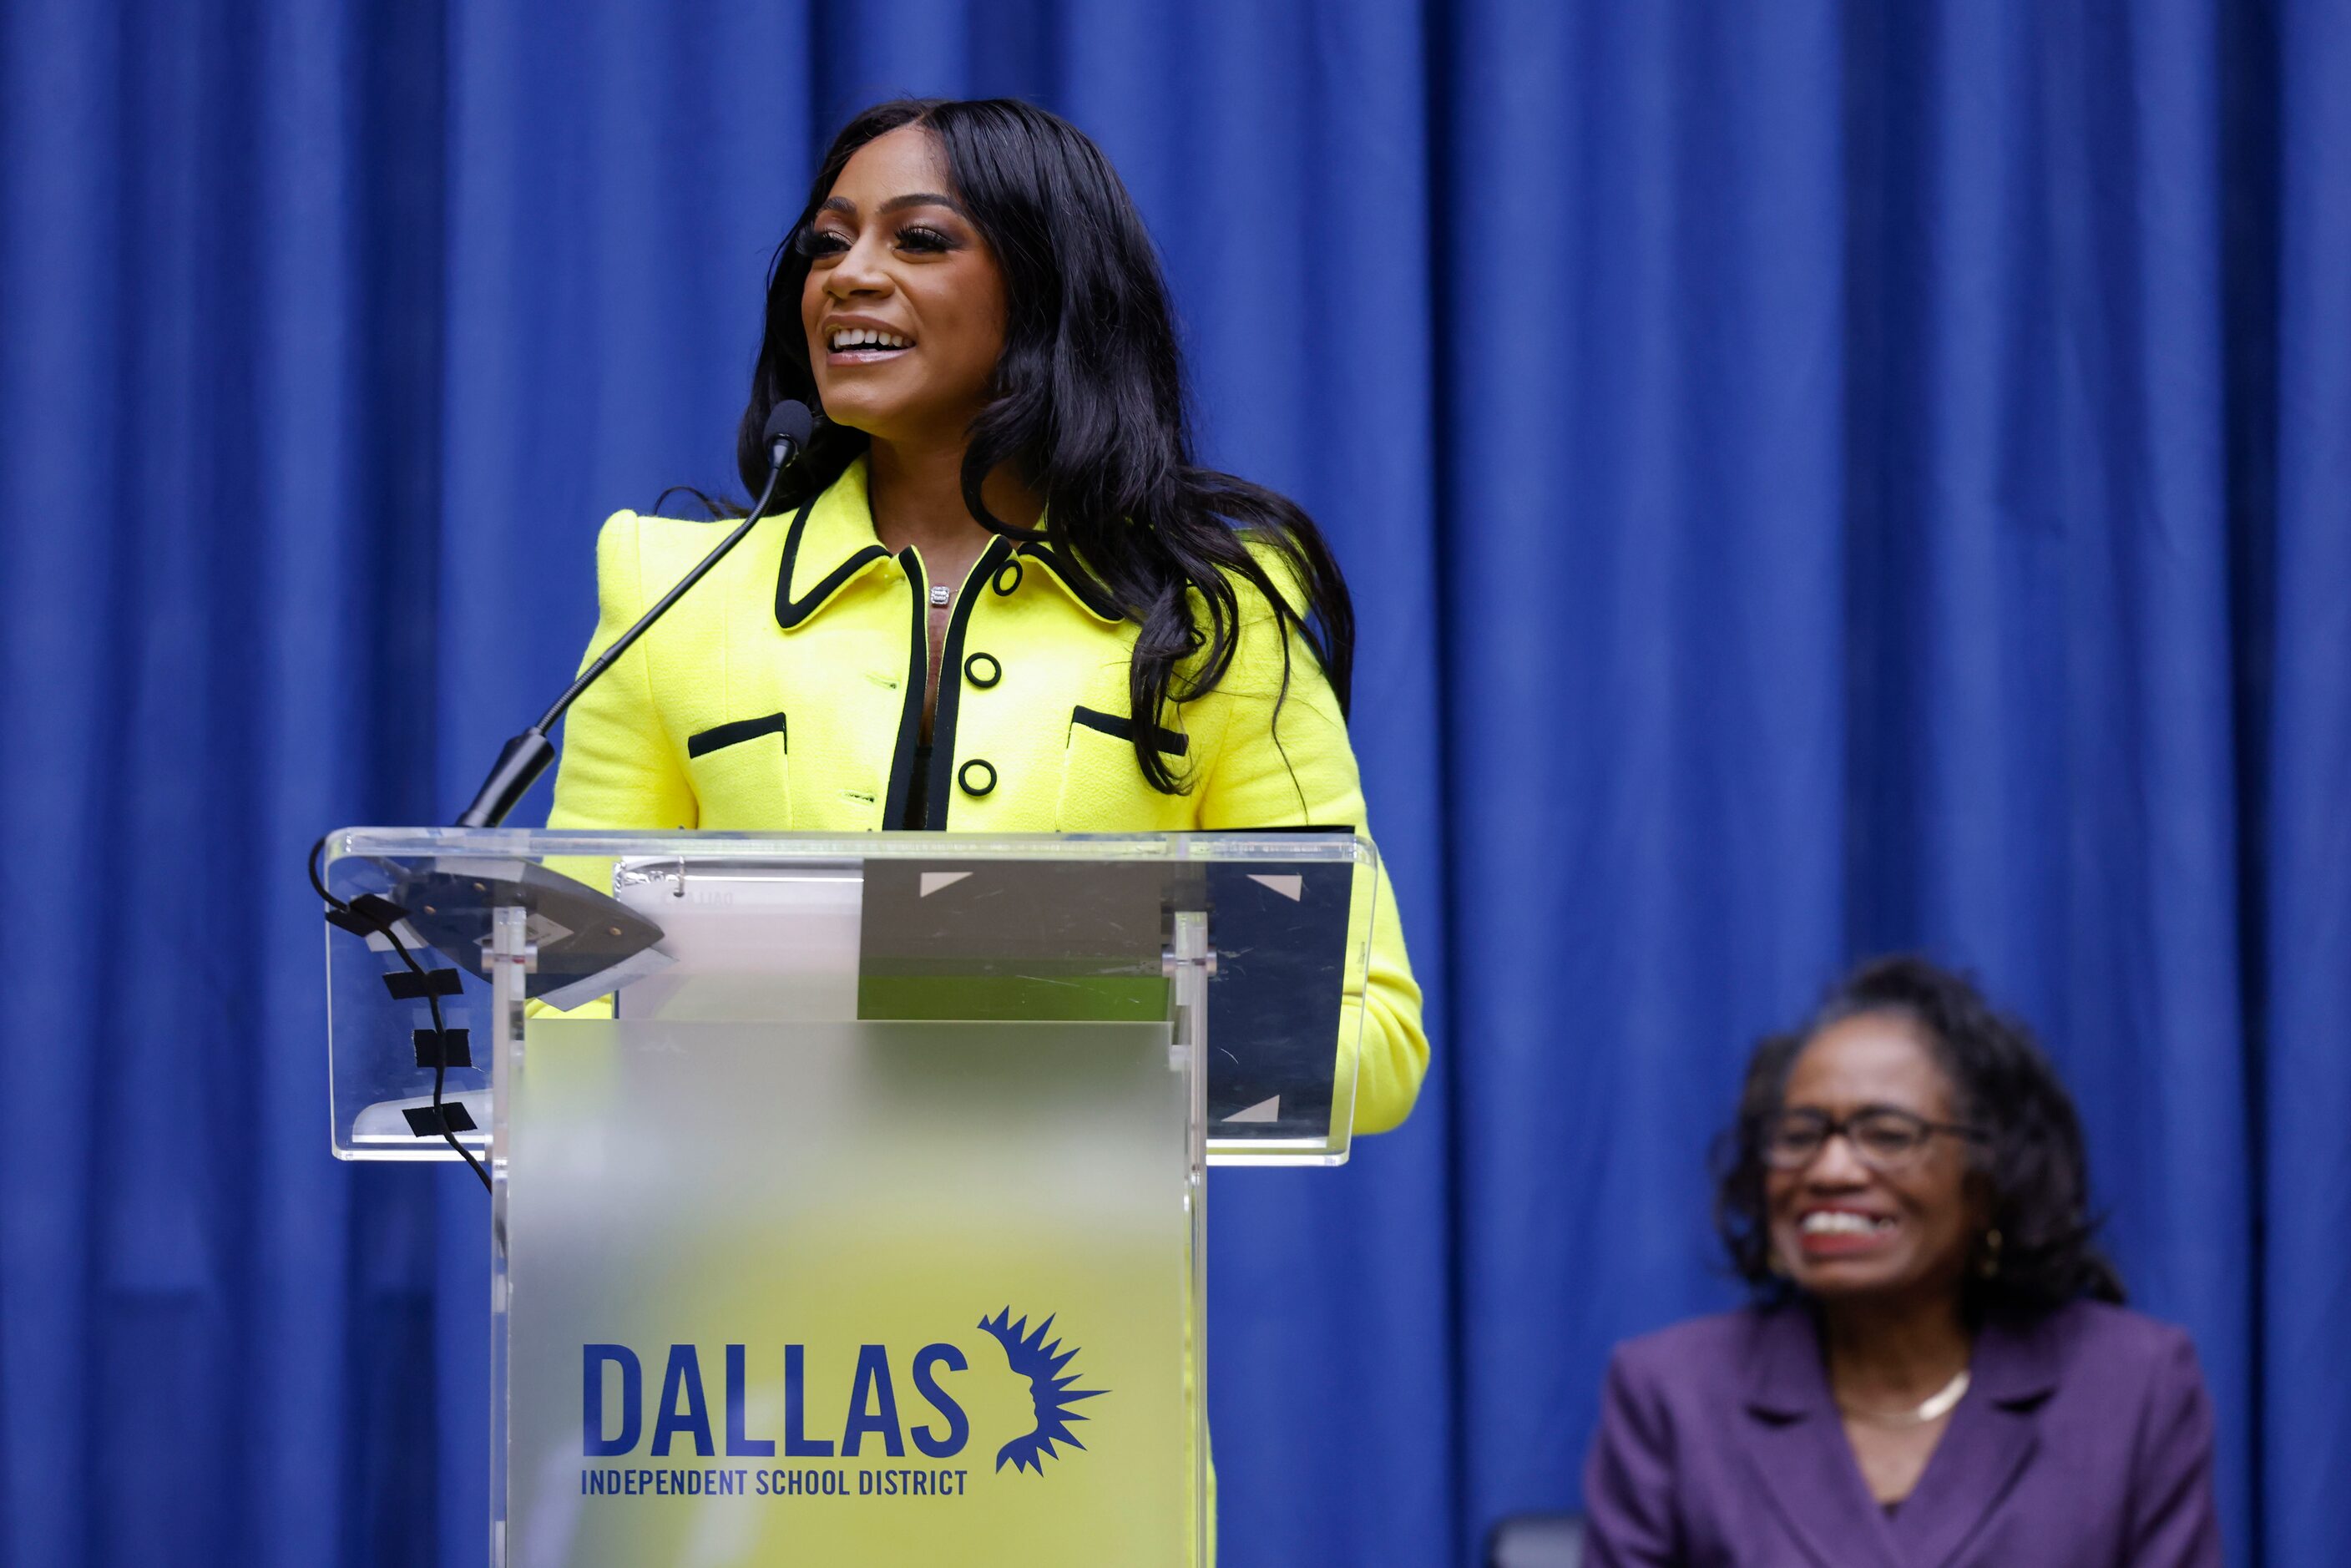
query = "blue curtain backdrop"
x=1818 y=478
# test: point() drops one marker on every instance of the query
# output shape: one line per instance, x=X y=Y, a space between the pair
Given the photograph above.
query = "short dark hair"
x=2034 y=1161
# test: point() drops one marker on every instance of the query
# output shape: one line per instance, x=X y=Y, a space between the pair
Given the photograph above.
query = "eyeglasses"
x=1884 y=1138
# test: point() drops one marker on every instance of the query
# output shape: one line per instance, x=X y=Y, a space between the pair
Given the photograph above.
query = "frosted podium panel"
x=939 y=1318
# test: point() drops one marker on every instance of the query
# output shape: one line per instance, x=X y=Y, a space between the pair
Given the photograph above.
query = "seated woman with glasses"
x=1936 y=1368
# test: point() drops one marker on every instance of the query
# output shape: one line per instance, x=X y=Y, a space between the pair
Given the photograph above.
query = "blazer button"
x=977 y=776
x=1006 y=579
x=982 y=670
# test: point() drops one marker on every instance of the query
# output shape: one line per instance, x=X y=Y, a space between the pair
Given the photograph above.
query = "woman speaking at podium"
x=996 y=593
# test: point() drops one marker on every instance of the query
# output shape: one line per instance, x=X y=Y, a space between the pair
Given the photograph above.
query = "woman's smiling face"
x=904 y=304
x=1841 y=1227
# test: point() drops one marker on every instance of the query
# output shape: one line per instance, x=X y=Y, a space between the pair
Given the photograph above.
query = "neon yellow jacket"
x=784 y=692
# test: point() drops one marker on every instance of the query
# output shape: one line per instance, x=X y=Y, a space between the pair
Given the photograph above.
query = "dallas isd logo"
x=611 y=1428
x=1028 y=1354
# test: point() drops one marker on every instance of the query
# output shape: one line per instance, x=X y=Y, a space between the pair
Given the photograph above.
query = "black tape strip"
x=407 y=985
x=444 y=1048
x=426 y=1123
x=382 y=910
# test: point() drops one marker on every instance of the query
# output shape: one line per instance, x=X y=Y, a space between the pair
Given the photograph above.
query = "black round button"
x=977 y=777
x=982 y=670
x=1003 y=589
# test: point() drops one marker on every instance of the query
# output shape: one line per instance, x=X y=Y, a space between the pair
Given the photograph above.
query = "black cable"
x=432 y=1000
x=789 y=427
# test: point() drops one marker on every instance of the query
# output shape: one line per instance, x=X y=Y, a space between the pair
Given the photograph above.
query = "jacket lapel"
x=1066 y=575
x=1991 y=1437
x=1796 y=1445
x=831 y=541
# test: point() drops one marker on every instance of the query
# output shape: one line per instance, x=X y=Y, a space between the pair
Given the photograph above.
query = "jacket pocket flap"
x=735 y=733
x=1175 y=743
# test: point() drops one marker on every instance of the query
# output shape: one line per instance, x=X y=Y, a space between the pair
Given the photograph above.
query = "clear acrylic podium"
x=848 y=1193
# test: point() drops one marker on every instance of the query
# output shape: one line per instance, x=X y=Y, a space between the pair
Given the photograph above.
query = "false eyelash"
x=812 y=242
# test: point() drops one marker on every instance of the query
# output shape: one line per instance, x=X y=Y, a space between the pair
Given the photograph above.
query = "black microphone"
x=526 y=757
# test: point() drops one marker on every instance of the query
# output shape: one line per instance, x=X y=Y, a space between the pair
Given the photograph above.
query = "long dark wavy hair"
x=1089 y=406
x=2034 y=1164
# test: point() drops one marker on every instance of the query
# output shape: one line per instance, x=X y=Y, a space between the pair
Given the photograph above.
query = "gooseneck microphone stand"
x=523 y=758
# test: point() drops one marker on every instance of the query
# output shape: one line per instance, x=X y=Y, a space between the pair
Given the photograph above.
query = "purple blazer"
x=2084 y=1441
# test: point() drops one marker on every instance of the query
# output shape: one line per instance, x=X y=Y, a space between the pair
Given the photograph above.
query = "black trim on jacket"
x=1173 y=741
x=735 y=733
x=943 y=717
x=790 y=613
x=910 y=714
x=1087 y=591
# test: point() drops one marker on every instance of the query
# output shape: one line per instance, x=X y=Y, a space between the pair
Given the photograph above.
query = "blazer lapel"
x=1796 y=1445
x=828 y=544
x=1991 y=1437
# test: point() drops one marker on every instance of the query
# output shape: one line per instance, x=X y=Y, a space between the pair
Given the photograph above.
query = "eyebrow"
x=896 y=204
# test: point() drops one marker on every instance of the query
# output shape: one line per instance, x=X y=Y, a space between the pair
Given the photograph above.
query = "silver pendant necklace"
x=1934 y=1407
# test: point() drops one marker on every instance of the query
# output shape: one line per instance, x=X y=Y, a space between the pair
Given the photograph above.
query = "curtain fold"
x=1816 y=479
x=2302 y=756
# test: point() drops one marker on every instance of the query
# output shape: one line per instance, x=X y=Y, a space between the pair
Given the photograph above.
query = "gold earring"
x=1988 y=1264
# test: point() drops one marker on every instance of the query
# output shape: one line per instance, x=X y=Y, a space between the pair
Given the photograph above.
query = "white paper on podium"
x=749 y=941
